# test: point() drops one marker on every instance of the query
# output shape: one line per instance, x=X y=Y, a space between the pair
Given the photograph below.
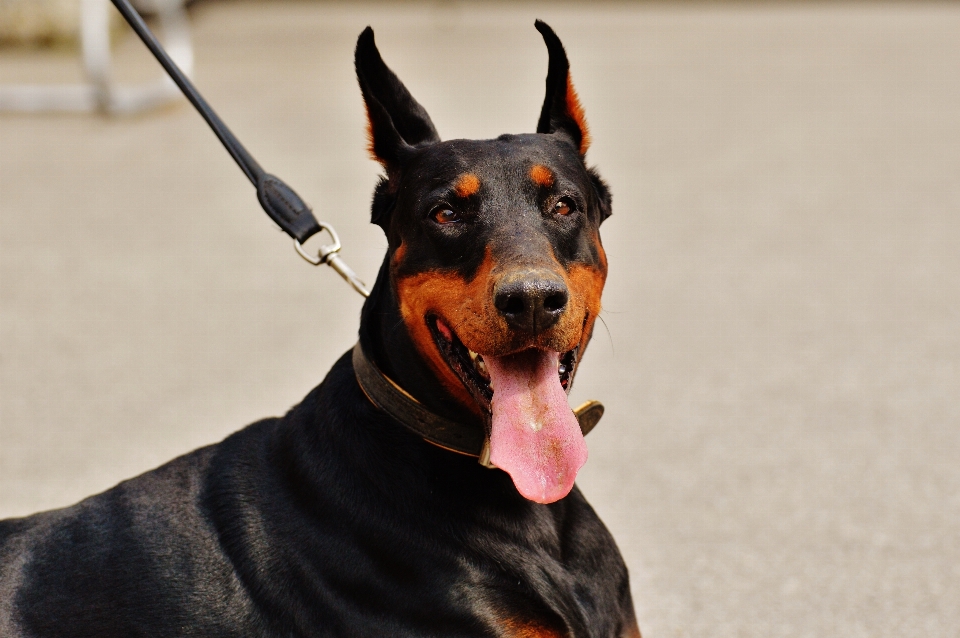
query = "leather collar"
x=463 y=438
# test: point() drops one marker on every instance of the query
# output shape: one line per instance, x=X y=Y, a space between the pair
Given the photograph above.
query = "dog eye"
x=564 y=207
x=443 y=215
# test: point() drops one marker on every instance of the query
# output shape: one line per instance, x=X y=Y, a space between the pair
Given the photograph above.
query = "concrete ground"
x=781 y=358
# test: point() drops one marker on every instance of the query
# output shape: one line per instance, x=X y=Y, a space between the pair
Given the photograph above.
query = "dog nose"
x=531 y=301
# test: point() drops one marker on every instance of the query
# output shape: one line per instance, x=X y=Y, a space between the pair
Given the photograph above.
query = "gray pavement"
x=781 y=359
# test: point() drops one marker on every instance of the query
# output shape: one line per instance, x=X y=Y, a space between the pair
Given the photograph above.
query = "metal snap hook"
x=325 y=250
x=327 y=254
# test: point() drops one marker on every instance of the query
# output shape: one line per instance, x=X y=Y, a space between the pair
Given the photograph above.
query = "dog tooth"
x=482 y=368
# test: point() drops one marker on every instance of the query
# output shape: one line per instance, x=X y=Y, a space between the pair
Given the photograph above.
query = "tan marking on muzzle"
x=586 y=284
x=467 y=307
x=459 y=303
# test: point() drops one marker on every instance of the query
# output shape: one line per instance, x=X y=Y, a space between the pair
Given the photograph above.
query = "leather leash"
x=467 y=439
x=278 y=200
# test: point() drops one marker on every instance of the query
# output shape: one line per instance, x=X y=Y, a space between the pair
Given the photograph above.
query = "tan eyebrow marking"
x=467 y=185
x=541 y=175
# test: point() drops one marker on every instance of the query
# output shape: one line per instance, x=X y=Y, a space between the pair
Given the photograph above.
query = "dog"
x=426 y=486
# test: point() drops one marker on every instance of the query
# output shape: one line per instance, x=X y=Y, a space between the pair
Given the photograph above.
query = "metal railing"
x=99 y=93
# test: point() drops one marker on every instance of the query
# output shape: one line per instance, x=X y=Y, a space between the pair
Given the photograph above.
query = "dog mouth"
x=471 y=368
x=532 y=433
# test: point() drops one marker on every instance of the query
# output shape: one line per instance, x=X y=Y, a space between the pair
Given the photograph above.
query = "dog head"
x=495 y=263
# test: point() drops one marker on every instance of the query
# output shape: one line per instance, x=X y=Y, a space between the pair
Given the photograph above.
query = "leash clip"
x=278 y=200
x=327 y=254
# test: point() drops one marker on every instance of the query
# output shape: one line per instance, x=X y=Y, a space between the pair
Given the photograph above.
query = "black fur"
x=335 y=520
x=553 y=116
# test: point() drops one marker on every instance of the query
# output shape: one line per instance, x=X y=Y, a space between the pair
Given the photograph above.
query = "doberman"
x=354 y=514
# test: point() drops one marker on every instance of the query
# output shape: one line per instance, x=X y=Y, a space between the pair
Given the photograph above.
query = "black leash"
x=280 y=202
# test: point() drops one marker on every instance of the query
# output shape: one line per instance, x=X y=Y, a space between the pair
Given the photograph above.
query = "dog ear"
x=561 y=112
x=604 y=199
x=396 y=122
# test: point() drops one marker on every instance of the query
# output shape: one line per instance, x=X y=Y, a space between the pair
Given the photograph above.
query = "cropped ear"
x=561 y=112
x=395 y=121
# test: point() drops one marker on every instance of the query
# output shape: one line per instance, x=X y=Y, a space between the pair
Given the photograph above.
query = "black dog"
x=354 y=515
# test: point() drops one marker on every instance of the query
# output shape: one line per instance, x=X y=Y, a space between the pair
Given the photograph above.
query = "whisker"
x=609 y=335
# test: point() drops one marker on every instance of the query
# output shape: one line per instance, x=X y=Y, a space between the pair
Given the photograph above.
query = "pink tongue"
x=535 y=438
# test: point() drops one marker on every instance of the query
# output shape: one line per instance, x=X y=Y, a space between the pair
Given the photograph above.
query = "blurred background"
x=780 y=352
